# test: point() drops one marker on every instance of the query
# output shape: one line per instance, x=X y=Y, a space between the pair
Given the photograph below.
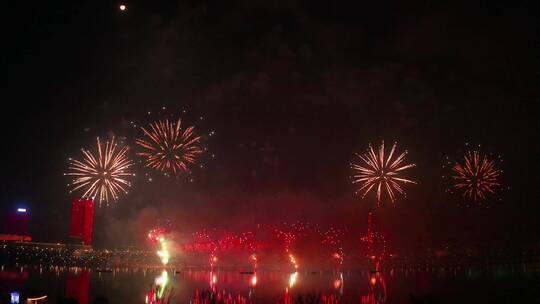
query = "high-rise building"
x=82 y=220
x=14 y=225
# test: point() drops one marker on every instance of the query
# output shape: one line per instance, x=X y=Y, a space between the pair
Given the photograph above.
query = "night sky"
x=292 y=91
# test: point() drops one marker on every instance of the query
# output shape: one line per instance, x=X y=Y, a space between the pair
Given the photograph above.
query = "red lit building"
x=14 y=226
x=82 y=220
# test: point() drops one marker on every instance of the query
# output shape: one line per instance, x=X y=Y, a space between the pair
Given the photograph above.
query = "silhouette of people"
x=100 y=300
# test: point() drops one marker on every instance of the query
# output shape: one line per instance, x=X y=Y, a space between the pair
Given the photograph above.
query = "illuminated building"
x=15 y=226
x=82 y=220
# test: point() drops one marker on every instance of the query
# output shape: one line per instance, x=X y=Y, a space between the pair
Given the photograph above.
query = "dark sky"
x=292 y=91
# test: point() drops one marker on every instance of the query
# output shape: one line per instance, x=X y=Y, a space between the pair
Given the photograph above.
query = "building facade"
x=82 y=220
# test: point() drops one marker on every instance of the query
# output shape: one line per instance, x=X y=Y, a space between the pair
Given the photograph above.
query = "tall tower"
x=375 y=240
x=82 y=220
x=370 y=234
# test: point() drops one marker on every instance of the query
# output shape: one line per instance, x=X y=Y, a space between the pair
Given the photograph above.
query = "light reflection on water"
x=233 y=286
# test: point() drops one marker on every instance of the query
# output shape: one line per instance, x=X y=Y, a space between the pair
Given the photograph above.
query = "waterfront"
x=498 y=284
x=366 y=152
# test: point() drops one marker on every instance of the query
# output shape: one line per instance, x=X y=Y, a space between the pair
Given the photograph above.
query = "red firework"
x=477 y=176
x=169 y=148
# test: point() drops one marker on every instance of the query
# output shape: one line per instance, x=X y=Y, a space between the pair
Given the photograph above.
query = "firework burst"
x=476 y=176
x=381 y=172
x=169 y=148
x=102 y=176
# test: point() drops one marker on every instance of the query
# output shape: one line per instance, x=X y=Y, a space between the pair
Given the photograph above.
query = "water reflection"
x=161 y=292
x=221 y=285
x=377 y=289
x=338 y=283
x=253 y=281
x=292 y=279
x=78 y=286
x=213 y=279
x=213 y=294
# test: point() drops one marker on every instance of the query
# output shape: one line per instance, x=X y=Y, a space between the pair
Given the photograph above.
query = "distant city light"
x=15 y=297
x=21 y=209
x=29 y=300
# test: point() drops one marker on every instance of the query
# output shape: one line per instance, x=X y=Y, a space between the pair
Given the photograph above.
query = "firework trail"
x=169 y=148
x=104 y=175
x=380 y=172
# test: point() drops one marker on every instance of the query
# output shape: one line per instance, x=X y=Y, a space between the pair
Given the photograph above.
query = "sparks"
x=213 y=260
x=159 y=237
x=169 y=148
x=293 y=277
x=476 y=176
x=103 y=176
x=380 y=172
x=292 y=259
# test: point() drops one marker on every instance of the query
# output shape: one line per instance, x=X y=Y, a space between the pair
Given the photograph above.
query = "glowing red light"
x=254 y=280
